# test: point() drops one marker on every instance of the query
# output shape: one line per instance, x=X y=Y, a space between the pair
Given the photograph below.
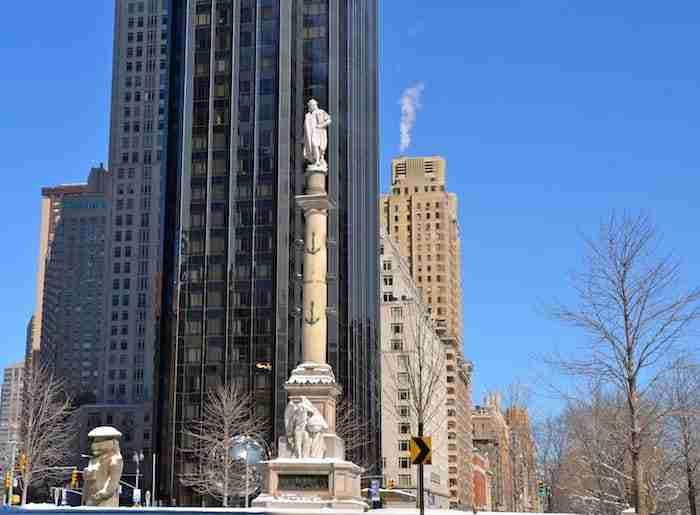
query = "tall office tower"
x=420 y=216
x=242 y=72
x=134 y=243
x=10 y=411
x=492 y=439
x=405 y=336
x=70 y=310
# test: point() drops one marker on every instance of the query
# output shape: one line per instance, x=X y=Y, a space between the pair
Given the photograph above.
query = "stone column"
x=314 y=378
x=315 y=205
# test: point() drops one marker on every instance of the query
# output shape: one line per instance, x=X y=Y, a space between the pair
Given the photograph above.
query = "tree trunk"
x=637 y=476
x=692 y=496
x=25 y=489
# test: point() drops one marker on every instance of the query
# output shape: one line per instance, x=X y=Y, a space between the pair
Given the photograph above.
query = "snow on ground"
x=428 y=511
x=272 y=511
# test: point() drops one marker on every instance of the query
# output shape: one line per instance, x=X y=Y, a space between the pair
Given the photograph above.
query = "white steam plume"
x=410 y=104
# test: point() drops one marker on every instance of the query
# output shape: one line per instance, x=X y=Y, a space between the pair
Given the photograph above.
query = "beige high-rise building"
x=419 y=216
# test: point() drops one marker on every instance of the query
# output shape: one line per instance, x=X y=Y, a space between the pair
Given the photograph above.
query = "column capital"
x=315 y=201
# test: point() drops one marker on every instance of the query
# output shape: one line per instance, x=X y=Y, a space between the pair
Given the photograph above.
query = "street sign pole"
x=421 y=482
x=421 y=455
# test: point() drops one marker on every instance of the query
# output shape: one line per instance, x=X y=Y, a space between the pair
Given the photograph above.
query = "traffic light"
x=542 y=488
x=392 y=484
x=8 y=479
x=22 y=462
x=74 y=478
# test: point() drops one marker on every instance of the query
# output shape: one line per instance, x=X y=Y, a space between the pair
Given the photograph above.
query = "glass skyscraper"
x=241 y=72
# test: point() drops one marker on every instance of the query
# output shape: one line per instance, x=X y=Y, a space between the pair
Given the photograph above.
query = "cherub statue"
x=104 y=470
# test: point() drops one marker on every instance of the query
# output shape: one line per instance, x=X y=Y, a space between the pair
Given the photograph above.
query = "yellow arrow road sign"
x=421 y=450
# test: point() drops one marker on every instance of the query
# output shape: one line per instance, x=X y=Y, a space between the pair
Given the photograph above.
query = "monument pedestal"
x=327 y=482
x=311 y=483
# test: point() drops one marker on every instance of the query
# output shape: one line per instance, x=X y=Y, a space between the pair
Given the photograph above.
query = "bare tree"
x=414 y=371
x=518 y=395
x=552 y=441
x=596 y=478
x=684 y=426
x=227 y=420
x=634 y=315
x=353 y=429
x=47 y=428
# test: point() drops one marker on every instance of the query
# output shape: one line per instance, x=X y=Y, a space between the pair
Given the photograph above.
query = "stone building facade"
x=482 y=482
x=406 y=336
x=492 y=438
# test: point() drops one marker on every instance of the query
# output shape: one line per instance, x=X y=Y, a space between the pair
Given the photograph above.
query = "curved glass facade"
x=241 y=73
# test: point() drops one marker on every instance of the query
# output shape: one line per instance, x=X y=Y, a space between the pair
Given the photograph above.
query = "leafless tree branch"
x=227 y=419
x=635 y=317
x=47 y=428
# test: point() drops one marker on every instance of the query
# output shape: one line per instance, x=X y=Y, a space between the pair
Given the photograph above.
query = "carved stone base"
x=311 y=484
x=317 y=383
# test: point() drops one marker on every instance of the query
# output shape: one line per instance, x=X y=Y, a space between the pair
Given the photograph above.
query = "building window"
x=404 y=395
x=397 y=345
x=386 y=266
x=403 y=445
x=404 y=480
x=404 y=462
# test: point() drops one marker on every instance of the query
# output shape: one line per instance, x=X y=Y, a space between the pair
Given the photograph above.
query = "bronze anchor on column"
x=311 y=320
x=314 y=249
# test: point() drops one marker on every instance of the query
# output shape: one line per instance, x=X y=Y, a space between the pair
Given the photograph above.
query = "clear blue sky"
x=549 y=112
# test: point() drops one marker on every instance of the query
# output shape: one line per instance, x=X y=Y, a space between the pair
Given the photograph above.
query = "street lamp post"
x=138 y=458
x=244 y=455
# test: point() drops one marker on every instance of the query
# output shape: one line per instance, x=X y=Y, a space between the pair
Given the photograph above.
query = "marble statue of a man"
x=316 y=125
x=104 y=470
